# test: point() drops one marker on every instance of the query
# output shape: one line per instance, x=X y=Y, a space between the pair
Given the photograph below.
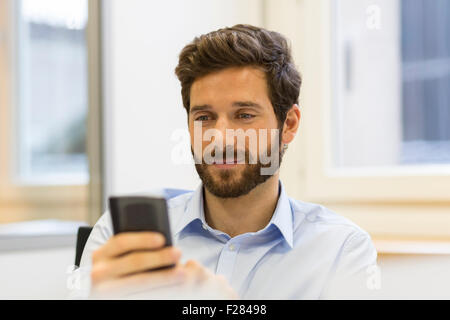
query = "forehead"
x=237 y=83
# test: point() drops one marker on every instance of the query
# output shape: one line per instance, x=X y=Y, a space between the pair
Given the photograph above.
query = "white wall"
x=142 y=99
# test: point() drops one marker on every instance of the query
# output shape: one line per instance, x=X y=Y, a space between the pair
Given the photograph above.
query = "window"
x=426 y=81
x=363 y=144
x=52 y=91
x=50 y=110
x=392 y=105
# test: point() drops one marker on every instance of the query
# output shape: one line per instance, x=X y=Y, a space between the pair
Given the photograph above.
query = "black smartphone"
x=140 y=213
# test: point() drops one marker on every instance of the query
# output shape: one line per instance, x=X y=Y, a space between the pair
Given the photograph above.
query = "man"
x=239 y=234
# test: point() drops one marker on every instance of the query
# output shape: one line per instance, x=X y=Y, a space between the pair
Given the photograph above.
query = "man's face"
x=232 y=99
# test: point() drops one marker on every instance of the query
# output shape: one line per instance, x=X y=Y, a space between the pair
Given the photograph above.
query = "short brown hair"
x=239 y=46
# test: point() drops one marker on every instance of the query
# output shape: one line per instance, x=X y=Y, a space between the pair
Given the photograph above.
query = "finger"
x=129 y=241
x=216 y=287
x=135 y=262
x=138 y=283
x=195 y=272
x=201 y=283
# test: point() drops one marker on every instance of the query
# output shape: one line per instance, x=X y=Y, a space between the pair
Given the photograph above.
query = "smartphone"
x=140 y=213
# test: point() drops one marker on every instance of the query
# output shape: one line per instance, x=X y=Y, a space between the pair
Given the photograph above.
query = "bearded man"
x=238 y=235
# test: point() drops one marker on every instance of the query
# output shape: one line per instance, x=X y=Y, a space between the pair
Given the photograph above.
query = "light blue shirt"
x=305 y=252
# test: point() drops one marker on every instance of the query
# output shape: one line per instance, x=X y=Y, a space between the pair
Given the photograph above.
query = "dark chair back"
x=82 y=237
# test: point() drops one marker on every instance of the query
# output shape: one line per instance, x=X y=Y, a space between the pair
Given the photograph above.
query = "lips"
x=229 y=162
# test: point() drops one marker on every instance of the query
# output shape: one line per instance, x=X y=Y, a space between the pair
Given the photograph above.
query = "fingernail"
x=160 y=240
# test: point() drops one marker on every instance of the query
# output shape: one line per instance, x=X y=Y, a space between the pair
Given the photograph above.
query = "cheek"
x=267 y=139
x=196 y=135
x=200 y=145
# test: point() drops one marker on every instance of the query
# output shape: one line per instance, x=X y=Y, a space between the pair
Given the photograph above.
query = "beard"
x=235 y=182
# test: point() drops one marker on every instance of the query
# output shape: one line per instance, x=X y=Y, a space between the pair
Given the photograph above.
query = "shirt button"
x=231 y=247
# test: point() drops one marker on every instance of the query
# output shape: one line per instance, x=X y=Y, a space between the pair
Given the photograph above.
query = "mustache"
x=228 y=154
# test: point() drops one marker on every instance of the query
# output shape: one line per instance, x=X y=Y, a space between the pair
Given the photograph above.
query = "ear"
x=291 y=124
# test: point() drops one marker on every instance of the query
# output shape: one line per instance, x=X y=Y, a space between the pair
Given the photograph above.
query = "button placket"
x=227 y=260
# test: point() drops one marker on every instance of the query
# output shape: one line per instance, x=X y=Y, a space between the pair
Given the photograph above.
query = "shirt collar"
x=193 y=210
x=282 y=216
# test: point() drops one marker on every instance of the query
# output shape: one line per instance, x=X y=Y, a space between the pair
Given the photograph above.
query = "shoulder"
x=179 y=201
x=177 y=206
x=330 y=231
x=344 y=244
x=321 y=219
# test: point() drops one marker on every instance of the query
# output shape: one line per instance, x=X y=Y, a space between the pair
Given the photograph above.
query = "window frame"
x=69 y=202
x=397 y=184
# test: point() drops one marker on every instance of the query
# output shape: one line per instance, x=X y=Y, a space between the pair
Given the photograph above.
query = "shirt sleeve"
x=355 y=274
x=100 y=234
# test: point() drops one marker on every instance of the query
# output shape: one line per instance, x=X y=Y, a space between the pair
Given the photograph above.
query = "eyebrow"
x=234 y=104
x=246 y=104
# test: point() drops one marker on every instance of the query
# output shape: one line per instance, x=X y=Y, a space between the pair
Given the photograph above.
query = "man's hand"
x=200 y=283
x=120 y=269
x=119 y=266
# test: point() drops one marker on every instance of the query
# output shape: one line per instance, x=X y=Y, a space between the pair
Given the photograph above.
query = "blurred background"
x=90 y=107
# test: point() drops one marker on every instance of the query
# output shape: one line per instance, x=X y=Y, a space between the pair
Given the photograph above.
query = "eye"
x=246 y=116
x=202 y=118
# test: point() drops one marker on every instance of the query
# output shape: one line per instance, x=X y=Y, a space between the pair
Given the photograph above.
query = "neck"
x=247 y=213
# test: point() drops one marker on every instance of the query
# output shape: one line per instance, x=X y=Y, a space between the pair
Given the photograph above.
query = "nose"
x=222 y=124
